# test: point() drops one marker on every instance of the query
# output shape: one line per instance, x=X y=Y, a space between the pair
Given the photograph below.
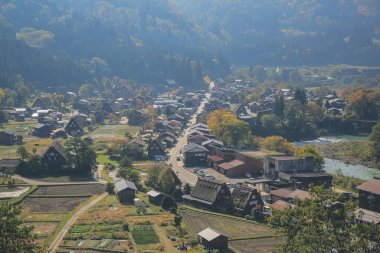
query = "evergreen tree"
x=300 y=96
x=375 y=141
x=279 y=106
x=187 y=189
x=15 y=237
x=168 y=202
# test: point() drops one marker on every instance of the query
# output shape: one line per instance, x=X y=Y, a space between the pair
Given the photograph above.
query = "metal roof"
x=124 y=184
x=372 y=186
x=210 y=234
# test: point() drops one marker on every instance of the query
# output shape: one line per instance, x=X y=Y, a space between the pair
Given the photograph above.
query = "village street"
x=178 y=167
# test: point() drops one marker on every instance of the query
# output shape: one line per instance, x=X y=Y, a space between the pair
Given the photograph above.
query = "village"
x=157 y=178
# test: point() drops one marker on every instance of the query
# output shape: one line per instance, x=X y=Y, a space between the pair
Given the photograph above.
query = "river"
x=331 y=165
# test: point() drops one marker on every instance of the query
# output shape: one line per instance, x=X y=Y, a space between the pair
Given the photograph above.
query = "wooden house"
x=59 y=133
x=7 y=137
x=125 y=191
x=234 y=164
x=155 y=197
x=212 y=144
x=44 y=102
x=177 y=117
x=197 y=138
x=212 y=239
x=211 y=195
x=155 y=148
x=41 y=130
x=54 y=155
x=246 y=200
x=194 y=154
x=369 y=195
x=107 y=108
x=9 y=163
x=75 y=126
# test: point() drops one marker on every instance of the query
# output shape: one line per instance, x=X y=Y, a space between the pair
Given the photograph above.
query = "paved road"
x=57 y=241
x=177 y=166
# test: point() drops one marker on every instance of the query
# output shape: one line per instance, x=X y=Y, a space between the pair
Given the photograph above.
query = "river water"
x=332 y=166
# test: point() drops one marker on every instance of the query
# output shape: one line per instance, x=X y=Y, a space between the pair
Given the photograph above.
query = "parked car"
x=178 y=158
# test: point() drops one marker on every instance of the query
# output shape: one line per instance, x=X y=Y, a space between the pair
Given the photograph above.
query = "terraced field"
x=51 y=205
x=74 y=190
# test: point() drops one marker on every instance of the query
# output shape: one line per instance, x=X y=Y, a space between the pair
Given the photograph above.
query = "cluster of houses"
x=224 y=96
x=167 y=129
x=54 y=156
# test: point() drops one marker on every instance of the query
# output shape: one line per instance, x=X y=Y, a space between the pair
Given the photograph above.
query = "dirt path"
x=57 y=241
x=168 y=245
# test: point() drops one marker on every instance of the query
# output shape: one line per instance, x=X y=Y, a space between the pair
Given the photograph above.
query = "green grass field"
x=117 y=130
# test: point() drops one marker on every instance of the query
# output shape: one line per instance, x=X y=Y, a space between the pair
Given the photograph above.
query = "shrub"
x=110 y=188
x=193 y=242
x=125 y=162
x=168 y=202
x=187 y=189
x=177 y=220
x=126 y=227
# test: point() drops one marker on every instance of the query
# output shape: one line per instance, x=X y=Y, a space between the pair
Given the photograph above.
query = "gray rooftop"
x=124 y=184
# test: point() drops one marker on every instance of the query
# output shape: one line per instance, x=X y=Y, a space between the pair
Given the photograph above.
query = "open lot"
x=233 y=227
x=79 y=190
x=51 y=205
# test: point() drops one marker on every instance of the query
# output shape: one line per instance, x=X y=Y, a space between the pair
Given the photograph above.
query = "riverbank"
x=349 y=155
x=351 y=152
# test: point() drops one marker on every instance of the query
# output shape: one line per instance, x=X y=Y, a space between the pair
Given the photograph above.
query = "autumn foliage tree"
x=361 y=106
x=310 y=151
x=276 y=143
x=229 y=129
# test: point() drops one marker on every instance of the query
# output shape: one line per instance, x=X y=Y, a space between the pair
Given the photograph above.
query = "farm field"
x=64 y=178
x=17 y=126
x=259 y=245
x=51 y=205
x=29 y=143
x=114 y=130
x=78 y=190
x=144 y=233
x=127 y=228
x=43 y=228
x=7 y=189
x=234 y=228
x=48 y=212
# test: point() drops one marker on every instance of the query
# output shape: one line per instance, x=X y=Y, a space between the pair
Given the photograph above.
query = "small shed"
x=137 y=202
x=125 y=191
x=155 y=197
x=210 y=238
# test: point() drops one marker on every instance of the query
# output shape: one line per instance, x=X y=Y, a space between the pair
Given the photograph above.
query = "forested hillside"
x=291 y=32
x=142 y=40
x=57 y=43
